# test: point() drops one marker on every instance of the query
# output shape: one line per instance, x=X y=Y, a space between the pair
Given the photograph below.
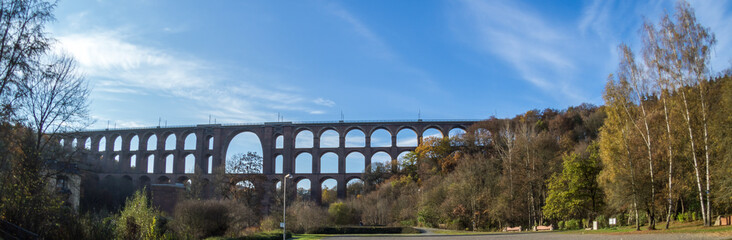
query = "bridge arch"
x=329 y=162
x=407 y=137
x=304 y=138
x=355 y=137
x=355 y=162
x=329 y=138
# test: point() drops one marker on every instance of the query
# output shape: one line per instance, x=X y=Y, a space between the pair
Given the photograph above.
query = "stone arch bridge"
x=107 y=158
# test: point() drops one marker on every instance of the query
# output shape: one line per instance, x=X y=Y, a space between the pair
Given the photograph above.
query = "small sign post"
x=282 y=225
x=613 y=221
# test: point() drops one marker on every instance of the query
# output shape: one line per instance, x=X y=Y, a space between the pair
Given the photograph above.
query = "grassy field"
x=692 y=227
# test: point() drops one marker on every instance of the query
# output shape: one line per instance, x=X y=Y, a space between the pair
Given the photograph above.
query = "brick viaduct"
x=212 y=140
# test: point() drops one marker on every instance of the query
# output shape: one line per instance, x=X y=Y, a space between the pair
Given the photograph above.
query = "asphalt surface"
x=535 y=235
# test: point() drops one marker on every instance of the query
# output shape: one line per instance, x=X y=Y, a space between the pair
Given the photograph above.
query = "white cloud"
x=324 y=102
x=115 y=65
x=524 y=40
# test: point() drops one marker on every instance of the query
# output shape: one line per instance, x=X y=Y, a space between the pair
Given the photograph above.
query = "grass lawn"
x=309 y=236
x=692 y=227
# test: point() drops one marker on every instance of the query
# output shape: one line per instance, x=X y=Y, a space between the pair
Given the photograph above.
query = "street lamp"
x=284 y=206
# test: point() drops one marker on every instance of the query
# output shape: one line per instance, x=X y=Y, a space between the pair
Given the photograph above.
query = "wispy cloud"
x=115 y=65
x=533 y=48
x=324 y=102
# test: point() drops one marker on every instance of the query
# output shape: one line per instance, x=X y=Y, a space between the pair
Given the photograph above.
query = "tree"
x=23 y=39
x=575 y=192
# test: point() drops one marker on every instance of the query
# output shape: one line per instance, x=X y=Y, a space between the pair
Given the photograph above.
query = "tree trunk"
x=693 y=154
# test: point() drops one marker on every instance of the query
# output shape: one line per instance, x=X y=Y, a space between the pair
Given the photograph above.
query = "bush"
x=305 y=216
x=139 y=220
x=200 y=219
x=270 y=223
x=572 y=224
x=206 y=218
x=240 y=218
x=602 y=221
x=342 y=214
x=560 y=225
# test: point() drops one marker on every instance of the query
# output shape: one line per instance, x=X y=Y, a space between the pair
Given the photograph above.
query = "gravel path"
x=535 y=235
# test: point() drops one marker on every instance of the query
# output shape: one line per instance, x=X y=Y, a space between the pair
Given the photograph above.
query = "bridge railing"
x=293 y=122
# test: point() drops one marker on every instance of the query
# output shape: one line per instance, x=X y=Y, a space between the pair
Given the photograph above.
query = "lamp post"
x=284 y=206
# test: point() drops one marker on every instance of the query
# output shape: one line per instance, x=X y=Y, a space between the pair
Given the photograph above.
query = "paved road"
x=534 y=235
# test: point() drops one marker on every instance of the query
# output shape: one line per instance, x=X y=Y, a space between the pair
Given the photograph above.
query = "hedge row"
x=364 y=230
x=272 y=235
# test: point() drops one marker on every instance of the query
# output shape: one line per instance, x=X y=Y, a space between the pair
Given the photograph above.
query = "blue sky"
x=247 y=61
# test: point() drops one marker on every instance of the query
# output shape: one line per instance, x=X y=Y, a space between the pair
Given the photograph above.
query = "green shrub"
x=573 y=224
x=560 y=225
x=602 y=221
x=342 y=214
x=270 y=223
x=139 y=220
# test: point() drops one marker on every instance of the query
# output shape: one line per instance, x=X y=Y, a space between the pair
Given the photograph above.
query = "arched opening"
x=406 y=138
x=163 y=180
x=169 y=163
x=279 y=142
x=457 y=133
x=303 y=189
x=210 y=141
x=102 y=144
x=304 y=163
x=279 y=164
x=328 y=191
x=152 y=143
x=75 y=143
x=117 y=144
x=62 y=142
x=86 y=143
x=355 y=163
x=183 y=179
x=133 y=161
x=354 y=187
x=355 y=138
x=380 y=159
x=134 y=143
x=151 y=163
x=190 y=165
x=116 y=158
x=329 y=163
x=238 y=157
x=304 y=139
x=190 y=142
x=329 y=139
x=432 y=132
x=210 y=164
x=456 y=136
x=482 y=137
x=381 y=138
x=144 y=181
x=170 y=142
